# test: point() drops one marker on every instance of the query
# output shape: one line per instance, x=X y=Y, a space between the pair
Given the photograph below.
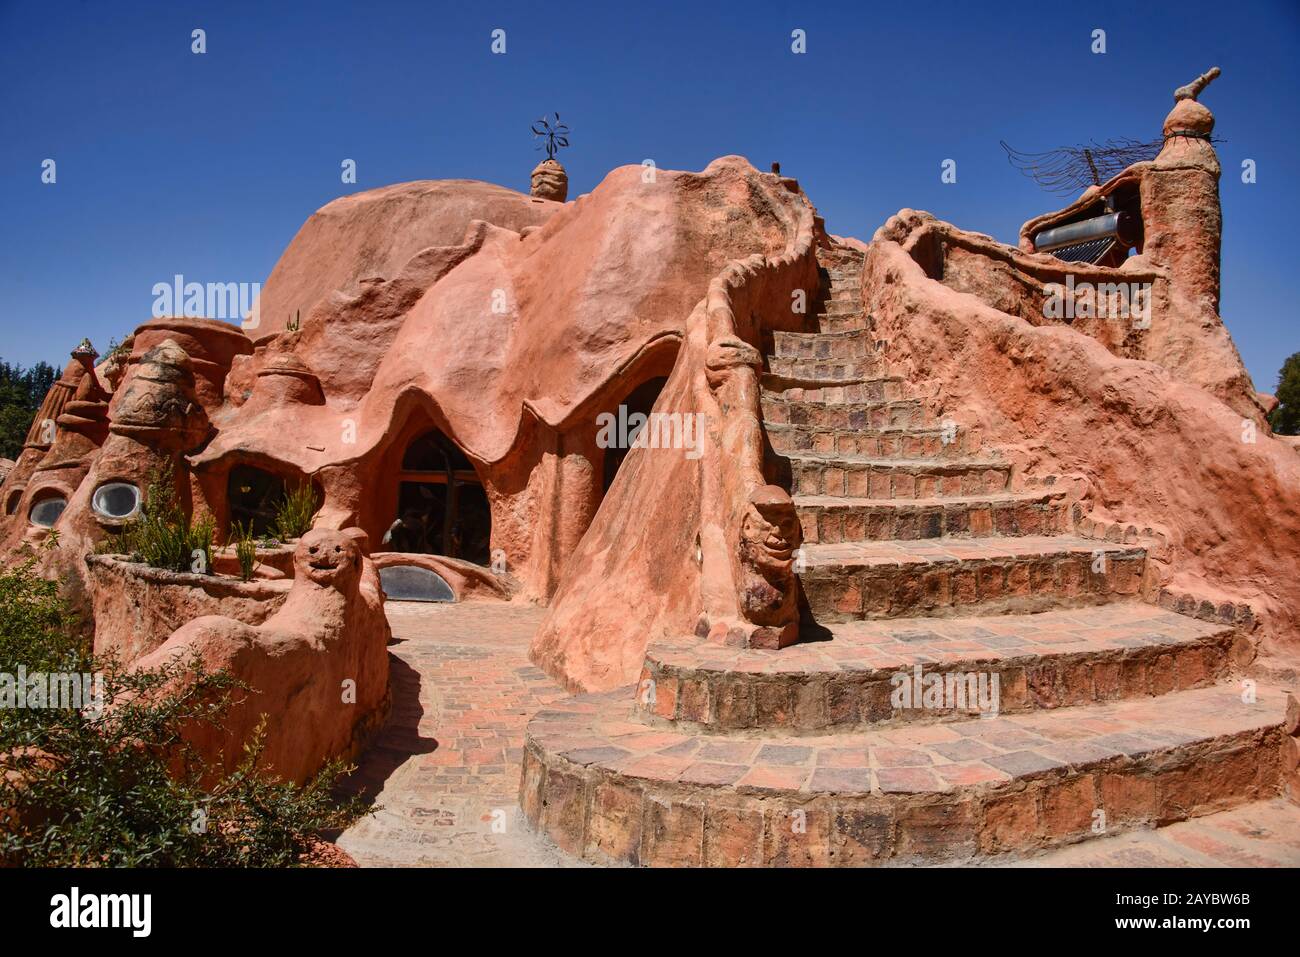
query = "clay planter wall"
x=137 y=607
x=273 y=563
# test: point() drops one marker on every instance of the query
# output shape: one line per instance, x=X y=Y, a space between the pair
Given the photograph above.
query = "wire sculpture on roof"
x=555 y=135
x=1071 y=169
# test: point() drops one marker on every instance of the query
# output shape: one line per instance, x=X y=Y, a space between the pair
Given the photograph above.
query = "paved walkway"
x=446 y=768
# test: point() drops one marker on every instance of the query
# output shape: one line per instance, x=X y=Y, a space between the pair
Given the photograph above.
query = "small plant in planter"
x=162 y=536
x=294 y=514
x=245 y=550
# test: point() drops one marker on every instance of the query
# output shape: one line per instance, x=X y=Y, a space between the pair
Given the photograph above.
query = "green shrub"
x=162 y=536
x=294 y=514
x=116 y=786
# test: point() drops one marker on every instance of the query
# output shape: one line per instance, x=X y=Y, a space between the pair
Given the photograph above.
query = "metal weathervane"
x=555 y=133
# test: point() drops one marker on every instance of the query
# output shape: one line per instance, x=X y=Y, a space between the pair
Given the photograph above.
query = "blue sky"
x=206 y=165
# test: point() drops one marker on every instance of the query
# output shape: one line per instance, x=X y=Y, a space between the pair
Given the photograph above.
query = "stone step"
x=842 y=307
x=831 y=391
x=1004 y=664
x=854 y=344
x=962 y=577
x=874 y=443
x=610 y=789
x=824 y=372
x=847 y=476
x=841 y=323
x=1255 y=834
x=898 y=413
x=828 y=520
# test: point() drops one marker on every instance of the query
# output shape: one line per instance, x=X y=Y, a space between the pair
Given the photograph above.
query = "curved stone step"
x=820 y=373
x=846 y=306
x=610 y=789
x=855 y=344
x=835 y=391
x=905 y=443
x=841 y=324
x=896 y=413
x=862 y=477
x=962 y=577
x=828 y=519
x=878 y=673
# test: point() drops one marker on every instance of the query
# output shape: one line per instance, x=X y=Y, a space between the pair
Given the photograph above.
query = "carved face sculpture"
x=327 y=558
x=770 y=534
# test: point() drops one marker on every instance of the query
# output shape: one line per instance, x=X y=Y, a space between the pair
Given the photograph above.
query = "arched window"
x=412 y=583
x=254 y=495
x=442 y=508
x=638 y=402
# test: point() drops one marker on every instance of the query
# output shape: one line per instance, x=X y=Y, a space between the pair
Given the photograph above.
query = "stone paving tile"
x=445 y=770
x=1262 y=834
x=935 y=757
x=891 y=643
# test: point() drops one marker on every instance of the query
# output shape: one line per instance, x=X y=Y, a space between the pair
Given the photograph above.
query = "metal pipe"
x=1122 y=226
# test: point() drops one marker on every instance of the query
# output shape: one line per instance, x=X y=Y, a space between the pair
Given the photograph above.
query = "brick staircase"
x=927 y=570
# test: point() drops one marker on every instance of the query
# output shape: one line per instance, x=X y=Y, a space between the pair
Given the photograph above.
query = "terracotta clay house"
x=907 y=459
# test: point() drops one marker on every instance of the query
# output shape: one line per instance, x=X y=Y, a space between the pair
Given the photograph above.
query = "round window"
x=47 y=511
x=116 y=500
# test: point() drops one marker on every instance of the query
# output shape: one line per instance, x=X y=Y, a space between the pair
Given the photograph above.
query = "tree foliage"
x=1285 y=419
x=21 y=393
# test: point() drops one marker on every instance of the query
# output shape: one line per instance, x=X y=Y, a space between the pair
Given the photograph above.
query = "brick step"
x=831 y=391
x=821 y=373
x=842 y=307
x=898 y=413
x=842 y=323
x=607 y=788
x=962 y=577
x=846 y=272
x=861 y=477
x=885 y=443
x=854 y=344
x=827 y=519
x=1004 y=664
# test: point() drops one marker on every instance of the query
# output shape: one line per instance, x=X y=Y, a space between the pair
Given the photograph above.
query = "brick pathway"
x=446 y=768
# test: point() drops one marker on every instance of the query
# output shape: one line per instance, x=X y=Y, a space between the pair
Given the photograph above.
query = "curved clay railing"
x=748 y=587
